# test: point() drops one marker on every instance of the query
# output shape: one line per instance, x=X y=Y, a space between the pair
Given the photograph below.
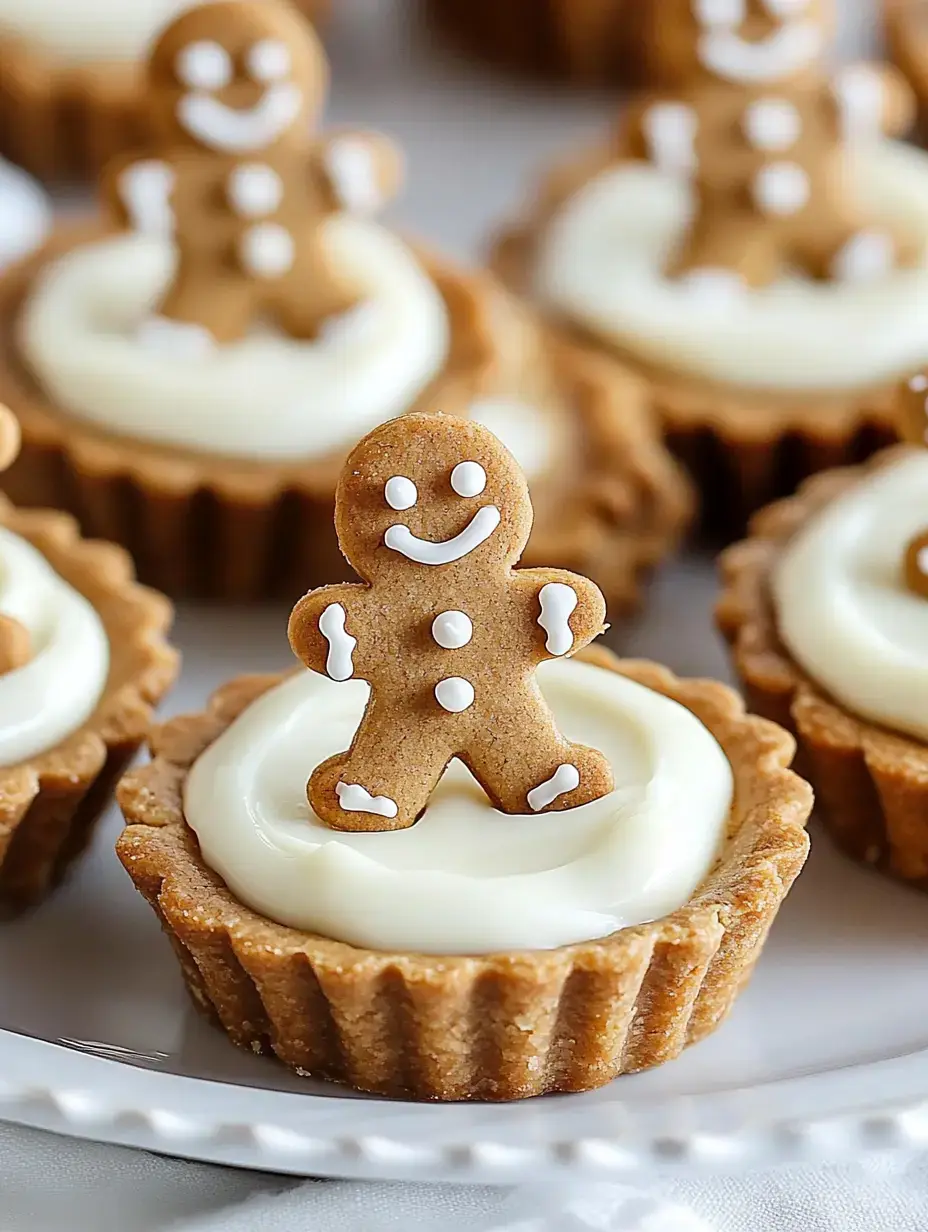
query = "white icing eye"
x=269 y=61
x=468 y=479
x=401 y=493
x=720 y=12
x=204 y=66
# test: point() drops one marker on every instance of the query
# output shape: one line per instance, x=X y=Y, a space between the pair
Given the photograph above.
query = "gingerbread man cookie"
x=912 y=406
x=15 y=643
x=748 y=114
x=433 y=513
x=238 y=181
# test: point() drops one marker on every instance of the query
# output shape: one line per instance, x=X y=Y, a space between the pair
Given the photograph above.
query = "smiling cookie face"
x=447 y=494
x=746 y=42
x=237 y=79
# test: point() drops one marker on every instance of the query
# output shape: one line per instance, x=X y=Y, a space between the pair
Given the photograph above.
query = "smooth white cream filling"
x=50 y=697
x=267 y=398
x=602 y=263
x=465 y=879
x=841 y=604
x=525 y=431
x=87 y=30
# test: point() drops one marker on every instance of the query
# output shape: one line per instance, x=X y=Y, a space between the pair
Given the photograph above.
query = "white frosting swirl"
x=841 y=604
x=267 y=398
x=465 y=879
x=50 y=697
x=88 y=30
x=602 y=261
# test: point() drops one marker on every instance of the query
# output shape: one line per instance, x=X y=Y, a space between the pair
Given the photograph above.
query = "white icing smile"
x=234 y=131
x=724 y=52
x=478 y=530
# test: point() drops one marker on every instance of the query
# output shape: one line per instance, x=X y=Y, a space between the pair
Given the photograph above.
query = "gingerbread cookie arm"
x=663 y=132
x=361 y=171
x=568 y=611
x=321 y=626
x=138 y=191
x=872 y=100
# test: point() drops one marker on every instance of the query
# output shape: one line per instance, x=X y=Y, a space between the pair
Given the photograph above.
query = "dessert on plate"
x=463 y=855
x=70 y=79
x=83 y=660
x=748 y=215
x=825 y=606
x=189 y=379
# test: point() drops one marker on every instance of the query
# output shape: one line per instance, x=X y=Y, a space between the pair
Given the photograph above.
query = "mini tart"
x=871 y=783
x=65 y=121
x=497 y=1027
x=197 y=523
x=580 y=41
x=742 y=447
x=50 y=804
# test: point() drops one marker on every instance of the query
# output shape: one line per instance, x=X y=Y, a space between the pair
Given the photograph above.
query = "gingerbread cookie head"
x=743 y=42
x=427 y=490
x=237 y=78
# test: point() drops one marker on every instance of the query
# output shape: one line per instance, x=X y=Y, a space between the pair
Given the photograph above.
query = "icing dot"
x=269 y=61
x=468 y=479
x=401 y=493
x=454 y=694
x=255 y=190
x=720 y=12
x=452 y=630
x=204 y=66
x=267 y=250
x=772 y=124
x=782 y=189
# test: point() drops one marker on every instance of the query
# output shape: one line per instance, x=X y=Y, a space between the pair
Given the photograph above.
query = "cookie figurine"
x=433 y=513
x=748 y=113
x=237 y=178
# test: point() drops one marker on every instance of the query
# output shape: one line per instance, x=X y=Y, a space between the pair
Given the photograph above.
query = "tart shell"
x=50 y=804
x=222 y=528
x=871 y=784
x=497 y=1027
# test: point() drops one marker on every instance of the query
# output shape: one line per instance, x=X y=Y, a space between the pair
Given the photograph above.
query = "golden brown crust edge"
x=49 y=804
x=742 y=448
x=499 y=1027
x=871 y=785
x=223 y=529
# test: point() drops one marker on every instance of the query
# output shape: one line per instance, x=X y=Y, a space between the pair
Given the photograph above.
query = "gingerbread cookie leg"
x=383 y=782
x=728 y=253
x=315 y=294
x=850 y=251
x=198 y=312
x=544 y=773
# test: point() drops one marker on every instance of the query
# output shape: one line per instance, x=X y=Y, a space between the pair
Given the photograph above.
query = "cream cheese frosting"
x=602 y=259
x=82 y=31
x=267 y=398
x=50 y=697
x=465 y=879
x=842 y=607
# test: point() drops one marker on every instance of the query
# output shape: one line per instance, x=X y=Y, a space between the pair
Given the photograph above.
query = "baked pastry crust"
x=50 y=803
x=66 y=121
x=871 y=784
x=744 y=448
x=218 y=527
x=496 y=1027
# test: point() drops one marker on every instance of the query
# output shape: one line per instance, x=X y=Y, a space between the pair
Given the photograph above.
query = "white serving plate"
x=823 y=1057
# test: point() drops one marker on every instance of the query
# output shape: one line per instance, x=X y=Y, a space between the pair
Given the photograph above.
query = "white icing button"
x=268 y=250
x=255 y=190
x=720 y=12
x=401 y=493
x=353 y=175
x=566 y=778
x=772 y=124
x=865 y=257
x=454 y=694
x=468 y=479
x=204 y=66
x=452 y=630
x=782 y=189
x=340 y=662
x=269 y=61
x=354 y=798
